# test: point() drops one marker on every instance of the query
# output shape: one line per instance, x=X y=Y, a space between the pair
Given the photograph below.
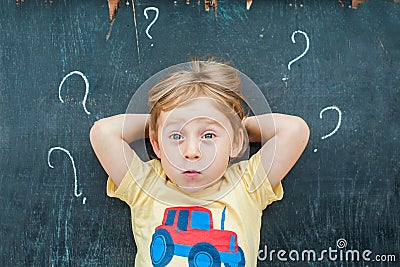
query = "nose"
x=191 y=149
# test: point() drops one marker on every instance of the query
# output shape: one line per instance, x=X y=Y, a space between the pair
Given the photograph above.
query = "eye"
x=176 y=136
x=208 y=135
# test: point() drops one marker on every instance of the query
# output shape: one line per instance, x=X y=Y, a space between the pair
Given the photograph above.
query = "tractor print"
x=188 y=232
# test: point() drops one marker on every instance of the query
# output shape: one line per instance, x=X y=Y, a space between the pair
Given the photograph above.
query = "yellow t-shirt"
x=220 y=223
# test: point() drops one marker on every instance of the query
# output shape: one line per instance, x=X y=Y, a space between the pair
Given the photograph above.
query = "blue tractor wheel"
x=161 y=248
x=204 y=255
x=242 y=261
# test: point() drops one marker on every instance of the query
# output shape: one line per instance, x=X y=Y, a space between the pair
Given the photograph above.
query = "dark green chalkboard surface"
x=342 y=198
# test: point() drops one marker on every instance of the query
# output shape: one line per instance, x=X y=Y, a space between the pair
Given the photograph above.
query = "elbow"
x=97 y=131
x=94 y=132
x=301 y=130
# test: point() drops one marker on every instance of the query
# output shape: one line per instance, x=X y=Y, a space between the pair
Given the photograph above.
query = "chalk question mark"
x=304 y=52
x=301 y=55
x=153 y=21
x=337 y=125
x=73 y=166
x=86 y=90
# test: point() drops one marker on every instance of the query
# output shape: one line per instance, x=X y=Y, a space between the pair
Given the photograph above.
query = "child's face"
x=195 y=141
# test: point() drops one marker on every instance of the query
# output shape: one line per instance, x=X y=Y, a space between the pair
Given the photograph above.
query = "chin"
x=192 y=189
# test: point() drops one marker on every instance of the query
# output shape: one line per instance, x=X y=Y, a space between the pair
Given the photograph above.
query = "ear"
x=155 y=145
x=237 y=144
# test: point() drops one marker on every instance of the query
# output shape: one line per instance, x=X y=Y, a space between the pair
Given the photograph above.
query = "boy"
x=196 y=126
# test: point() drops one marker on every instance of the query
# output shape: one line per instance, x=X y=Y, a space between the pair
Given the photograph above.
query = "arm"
x=110 y=138
x=284 y=138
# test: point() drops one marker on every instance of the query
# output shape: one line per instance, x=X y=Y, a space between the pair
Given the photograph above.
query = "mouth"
x=191 y=173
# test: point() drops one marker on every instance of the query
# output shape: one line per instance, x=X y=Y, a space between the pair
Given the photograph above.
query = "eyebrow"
x=178 y=121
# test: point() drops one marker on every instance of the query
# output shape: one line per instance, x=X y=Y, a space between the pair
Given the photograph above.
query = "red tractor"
x=188 y=232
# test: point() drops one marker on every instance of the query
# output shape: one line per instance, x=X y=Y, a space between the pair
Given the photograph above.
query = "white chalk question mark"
x=153 y=21
x=285 y=79
x=337 y=125
x=304 y=52
x=86 y=90
x=73 y=166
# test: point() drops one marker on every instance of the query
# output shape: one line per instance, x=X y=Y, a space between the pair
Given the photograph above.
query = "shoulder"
x=140 y=176
x=254 y=179
x=246 y=165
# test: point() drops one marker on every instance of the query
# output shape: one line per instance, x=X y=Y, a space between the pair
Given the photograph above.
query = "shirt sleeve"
x=257 y=183
x=130 y=187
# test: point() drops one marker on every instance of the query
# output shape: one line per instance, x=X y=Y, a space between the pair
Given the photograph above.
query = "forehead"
x=200 y=109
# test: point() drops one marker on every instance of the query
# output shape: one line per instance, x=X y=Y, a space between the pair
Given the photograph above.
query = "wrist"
x=252 y=127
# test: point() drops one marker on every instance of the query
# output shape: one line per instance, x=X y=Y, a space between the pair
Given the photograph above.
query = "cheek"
x=226 y=144
x=220 y=165
x=170 y=150
x=221 y=153
x=208 y=147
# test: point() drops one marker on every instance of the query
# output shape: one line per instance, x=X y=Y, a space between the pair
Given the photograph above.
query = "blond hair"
x=210 y=79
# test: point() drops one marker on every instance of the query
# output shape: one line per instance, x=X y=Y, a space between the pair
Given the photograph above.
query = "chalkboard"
x=343 y=194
